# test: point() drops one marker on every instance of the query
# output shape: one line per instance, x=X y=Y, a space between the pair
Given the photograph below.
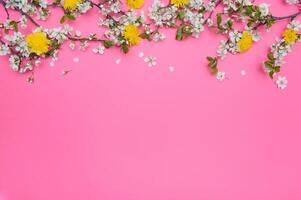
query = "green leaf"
x=271 y=74
x=139 y=19
x=144 y=35
x=219 y=19
x=55 y=44
x=248 y=11
x=187 y=31
x=63 y=19
x=271 y=57
x=107 y=44
x=277 y=69
x=250 y=22
x=181 y=14
x=210 y=59
x=268 y=64
x=229 y=24
x=214 y=70
x=179 y=34
x=14 y=25
x=70 y=16
x=270 y=21
x=66 y=16
x=212 y=65
x=125 y=48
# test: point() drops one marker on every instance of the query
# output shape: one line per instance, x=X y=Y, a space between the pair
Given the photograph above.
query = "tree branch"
x=10 y=47
x=21 y=12
x=29 y=17
x=291 y=17
x=211 y=13
x=3 y=4
x=85 y=39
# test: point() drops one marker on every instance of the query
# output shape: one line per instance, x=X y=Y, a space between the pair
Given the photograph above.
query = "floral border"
x=125 y=28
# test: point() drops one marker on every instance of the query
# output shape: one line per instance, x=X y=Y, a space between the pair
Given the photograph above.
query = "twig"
x=85 y=39
x=7 y=13
x=10 y=47
x=29 y=17
x=21 y=12
x=291 y=17
x=95 y=4
x=211 y=13
x=2 y=42
x=100 y=8
x=54 y=5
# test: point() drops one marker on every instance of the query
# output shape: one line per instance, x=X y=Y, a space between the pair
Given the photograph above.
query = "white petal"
x=51 y=64
x=141 y=54
x=118 y=61
x=243 y=72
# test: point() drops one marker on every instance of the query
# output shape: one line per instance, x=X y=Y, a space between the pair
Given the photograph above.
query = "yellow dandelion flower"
x=179 y=3
x=135 y=4
x=131 y=34
x=71 y=4
x=245 y=42
x=290 y=36
x=38 y=42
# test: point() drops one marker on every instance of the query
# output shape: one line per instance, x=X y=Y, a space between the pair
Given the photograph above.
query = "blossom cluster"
x=37 y=8
x=25 y=52
x=188 y=17
x=282 y=47
x=240 y=41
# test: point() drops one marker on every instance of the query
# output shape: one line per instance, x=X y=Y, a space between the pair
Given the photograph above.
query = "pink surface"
x=129 y=132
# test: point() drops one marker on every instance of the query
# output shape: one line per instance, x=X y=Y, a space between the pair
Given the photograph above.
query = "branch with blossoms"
x=187 y=17
x=240 y=41
x=26 y=51
x=124 y=28
x=275 y=59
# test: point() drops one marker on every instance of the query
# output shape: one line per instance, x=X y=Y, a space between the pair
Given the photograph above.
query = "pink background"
x=129 y=132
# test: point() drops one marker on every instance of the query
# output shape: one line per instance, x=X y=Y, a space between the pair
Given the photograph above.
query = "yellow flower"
x=290 y=36
x=135 y=4
x=179 y=3
x=131 y=34
x=71 y=4
x=38 y=42
x=245 y=42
